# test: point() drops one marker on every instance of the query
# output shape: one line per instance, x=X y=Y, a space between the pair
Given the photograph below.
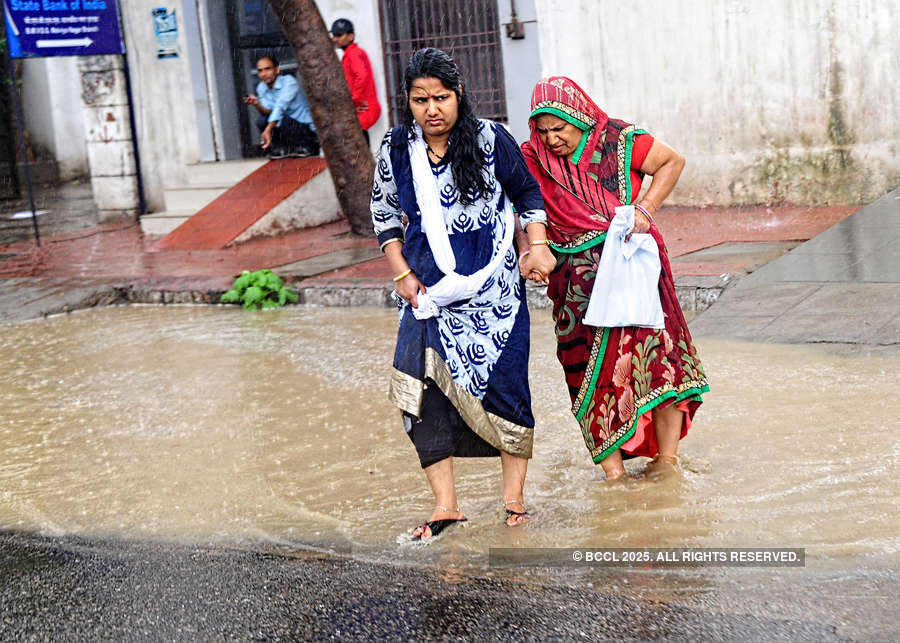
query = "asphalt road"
x=75 y=589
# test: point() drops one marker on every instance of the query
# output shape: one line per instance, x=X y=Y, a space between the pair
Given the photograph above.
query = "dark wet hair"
x=270 y=57
x=463 y=153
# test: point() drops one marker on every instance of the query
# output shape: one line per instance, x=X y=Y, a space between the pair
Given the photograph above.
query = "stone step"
x=221 y=173
x=161 y=223
x=203 y=183
x=189 y=200
x=263 y=203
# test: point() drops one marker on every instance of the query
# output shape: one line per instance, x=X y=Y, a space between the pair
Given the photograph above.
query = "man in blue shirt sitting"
x=284 y=118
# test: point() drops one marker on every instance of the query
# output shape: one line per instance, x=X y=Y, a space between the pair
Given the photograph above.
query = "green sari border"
x=598 y=363
x=590 y=243
x=625 y=168
x=695 y=393
x=553 y=111
x=572 y=120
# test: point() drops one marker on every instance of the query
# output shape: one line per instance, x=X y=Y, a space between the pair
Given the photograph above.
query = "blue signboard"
x=43 y=28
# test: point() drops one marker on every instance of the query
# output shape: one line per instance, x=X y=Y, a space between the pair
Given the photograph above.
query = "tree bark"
x=337 y=124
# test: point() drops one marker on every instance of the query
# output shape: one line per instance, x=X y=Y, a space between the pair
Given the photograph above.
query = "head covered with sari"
x=581 y=193
x=613 y=405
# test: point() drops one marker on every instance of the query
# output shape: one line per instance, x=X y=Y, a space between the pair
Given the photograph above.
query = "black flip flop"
x=436 y=527
x=510 y=513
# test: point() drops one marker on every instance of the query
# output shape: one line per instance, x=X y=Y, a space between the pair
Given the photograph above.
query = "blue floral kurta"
x=476 y=350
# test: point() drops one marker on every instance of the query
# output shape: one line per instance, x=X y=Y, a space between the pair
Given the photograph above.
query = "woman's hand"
x=409 y=288
x=641 y=222
x=539 y=263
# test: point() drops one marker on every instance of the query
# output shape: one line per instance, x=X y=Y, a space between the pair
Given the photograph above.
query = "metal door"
x=254 y=32
x=466 y=29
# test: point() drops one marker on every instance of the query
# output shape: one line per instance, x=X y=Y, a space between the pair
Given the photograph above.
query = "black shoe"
x=278 y=153
x=300 y=152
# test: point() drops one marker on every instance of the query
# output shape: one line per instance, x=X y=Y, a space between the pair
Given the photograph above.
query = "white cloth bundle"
x=452 y=286
x=626 y=289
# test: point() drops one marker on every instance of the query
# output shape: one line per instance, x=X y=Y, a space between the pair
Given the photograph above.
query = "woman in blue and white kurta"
x=461 y=362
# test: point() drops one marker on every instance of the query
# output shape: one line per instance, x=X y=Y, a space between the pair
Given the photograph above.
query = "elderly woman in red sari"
x=634 y=390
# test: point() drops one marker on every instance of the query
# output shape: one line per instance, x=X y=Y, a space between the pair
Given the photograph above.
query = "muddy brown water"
x=216 y=425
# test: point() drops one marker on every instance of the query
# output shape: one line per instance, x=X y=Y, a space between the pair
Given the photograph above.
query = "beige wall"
x=367 y=27
x=162 y=93
x=51 y=100
x=770 y=100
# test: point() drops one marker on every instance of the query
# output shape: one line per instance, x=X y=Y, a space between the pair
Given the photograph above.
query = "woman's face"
x=434 y=107
x=560 y=137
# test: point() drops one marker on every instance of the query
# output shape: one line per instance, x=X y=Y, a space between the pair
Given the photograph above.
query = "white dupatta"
x=452 y=286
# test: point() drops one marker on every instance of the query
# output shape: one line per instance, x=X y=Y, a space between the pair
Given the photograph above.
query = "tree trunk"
x=348 y=156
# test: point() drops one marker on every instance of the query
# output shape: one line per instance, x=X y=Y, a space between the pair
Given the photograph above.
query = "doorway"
x=254 y=31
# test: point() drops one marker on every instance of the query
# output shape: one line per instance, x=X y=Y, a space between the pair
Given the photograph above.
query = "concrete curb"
x=695 y=294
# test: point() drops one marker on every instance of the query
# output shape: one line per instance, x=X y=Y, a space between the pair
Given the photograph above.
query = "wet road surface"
x=194 y=473
x=56 y=589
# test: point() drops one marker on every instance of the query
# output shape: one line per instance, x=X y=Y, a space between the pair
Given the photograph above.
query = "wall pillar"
x=108 y=133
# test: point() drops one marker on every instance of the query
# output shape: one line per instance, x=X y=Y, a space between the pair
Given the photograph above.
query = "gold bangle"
x=402 y=275
x=644 y=210
x=539 y=242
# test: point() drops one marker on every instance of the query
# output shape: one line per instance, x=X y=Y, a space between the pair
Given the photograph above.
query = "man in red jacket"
x=358 y=72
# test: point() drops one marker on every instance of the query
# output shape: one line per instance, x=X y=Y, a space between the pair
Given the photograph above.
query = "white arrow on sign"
x=72 y=42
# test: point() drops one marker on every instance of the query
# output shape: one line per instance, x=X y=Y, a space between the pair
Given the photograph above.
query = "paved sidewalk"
x=841 y=287
x=116 y=263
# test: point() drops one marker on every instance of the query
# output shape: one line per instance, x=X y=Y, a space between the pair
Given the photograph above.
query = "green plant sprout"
x=259 y=289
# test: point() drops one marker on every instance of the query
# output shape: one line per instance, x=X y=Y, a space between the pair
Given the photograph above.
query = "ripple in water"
x=216 y=425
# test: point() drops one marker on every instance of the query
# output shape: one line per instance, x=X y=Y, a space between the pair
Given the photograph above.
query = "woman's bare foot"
x=662 y=467
x=613 y=466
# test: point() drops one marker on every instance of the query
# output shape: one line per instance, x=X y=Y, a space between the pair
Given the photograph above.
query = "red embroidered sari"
x=616 y=376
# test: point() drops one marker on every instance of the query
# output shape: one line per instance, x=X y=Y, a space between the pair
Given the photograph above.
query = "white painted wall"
x=51 y=102
x=367 y=25
x=769 y=100
x=521 y=65
x=164 y=100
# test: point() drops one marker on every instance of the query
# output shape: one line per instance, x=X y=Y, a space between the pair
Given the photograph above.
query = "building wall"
x=163 y=97
x=770 y=100
x=51 y=97
x=173 y=111
x=521 y=65
x=364 y=15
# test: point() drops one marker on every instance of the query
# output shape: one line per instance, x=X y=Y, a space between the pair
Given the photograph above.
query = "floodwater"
x=273 y=429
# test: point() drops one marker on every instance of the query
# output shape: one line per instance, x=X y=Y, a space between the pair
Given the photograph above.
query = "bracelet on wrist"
x=539 y=242
x=644 y=210
x=527 y=252
x=402 y=275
